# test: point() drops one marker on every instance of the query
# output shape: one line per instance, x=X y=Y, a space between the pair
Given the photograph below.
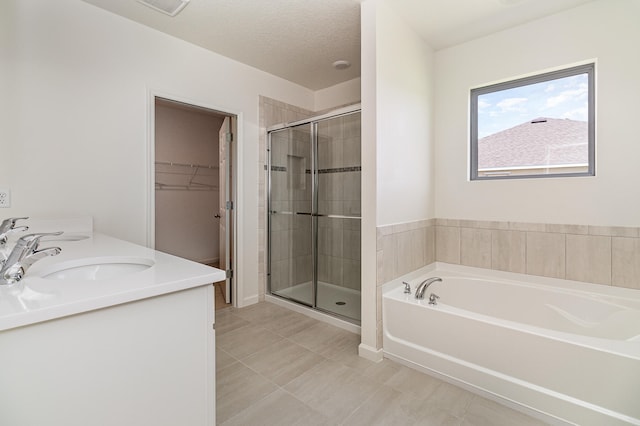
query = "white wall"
x=75 y=99
x=397 y=141
x=368 y=314
x=404 y=121
x=605 y=30
x=346 y=93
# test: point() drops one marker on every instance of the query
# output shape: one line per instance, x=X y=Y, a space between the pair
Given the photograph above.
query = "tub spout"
x=424 y=285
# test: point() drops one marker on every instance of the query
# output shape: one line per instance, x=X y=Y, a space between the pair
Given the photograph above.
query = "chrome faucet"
x=8 y=226
x=25 y=253
x=424 y=285
x=433 y=299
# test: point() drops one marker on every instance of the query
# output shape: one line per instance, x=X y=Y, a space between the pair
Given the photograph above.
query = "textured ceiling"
x=299 y=39
x=444 y=23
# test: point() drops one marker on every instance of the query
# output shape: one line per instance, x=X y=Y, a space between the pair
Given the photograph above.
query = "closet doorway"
x=193 y=169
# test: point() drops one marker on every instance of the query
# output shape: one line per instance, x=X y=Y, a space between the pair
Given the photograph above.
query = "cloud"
x=550 y=88
x=579 y=114
x=483 y=104
x=512 y=104
x=575 y=94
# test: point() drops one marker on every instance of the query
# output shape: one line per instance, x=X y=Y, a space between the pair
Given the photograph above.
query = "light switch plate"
x=5 y=198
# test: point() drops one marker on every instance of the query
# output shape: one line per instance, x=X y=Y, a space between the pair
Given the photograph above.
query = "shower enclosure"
x=314 y=213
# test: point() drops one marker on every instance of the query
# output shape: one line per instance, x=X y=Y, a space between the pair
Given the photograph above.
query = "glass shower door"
x=338 y=215
x=291 y=245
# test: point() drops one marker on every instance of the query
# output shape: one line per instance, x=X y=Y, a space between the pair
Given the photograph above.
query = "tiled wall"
x=401 y=249
x=290 y=192
x=339 y=194
x=271 y=112
x=338 y=239
x=593 y=254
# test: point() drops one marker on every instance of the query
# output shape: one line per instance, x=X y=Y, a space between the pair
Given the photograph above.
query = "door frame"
x=237 y=183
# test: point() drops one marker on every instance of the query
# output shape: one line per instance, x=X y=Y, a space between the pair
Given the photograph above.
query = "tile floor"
x=278 y=367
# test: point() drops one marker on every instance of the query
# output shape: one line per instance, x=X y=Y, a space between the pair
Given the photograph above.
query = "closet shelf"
x=182 y=176
x=195 y=186
x=194 y=166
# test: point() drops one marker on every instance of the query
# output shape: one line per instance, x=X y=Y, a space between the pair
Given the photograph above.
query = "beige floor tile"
x=451 y=398
x=483 y=412
x=434 y=416
x=278 y=408
x=348 y=355
x=380 y=371
x=388 y=406
x=414 y=383
x=227 y=321
x=325 y=381
x=332 y=389
x=237 y=388
x=223 y=359
x=246 y=340
x=282 y=361
x=325 y=339
x=288 y=324
x=261 y=312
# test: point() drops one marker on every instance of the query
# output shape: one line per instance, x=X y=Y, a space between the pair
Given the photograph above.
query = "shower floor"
x=332 y=298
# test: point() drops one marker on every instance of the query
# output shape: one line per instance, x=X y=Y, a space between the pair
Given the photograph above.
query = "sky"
x=560 y=98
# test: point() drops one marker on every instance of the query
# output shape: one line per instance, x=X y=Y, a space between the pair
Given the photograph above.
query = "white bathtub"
x=560 y=350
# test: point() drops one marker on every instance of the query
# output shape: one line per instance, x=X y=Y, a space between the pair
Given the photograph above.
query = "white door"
x=225 y=137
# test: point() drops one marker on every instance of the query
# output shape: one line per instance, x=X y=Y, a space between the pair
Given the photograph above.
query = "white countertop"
x=35 y=299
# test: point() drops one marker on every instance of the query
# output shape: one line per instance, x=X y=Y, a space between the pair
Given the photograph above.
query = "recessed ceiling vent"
x=168 y=7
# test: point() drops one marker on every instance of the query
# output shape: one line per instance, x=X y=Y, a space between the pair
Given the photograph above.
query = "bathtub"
x=562 y=351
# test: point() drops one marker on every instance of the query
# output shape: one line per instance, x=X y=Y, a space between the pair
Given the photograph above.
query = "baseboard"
x=248 y=301
x=370 y=353
x=345 y=325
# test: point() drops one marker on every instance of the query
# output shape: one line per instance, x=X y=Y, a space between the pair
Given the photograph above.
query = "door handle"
x=217 y=216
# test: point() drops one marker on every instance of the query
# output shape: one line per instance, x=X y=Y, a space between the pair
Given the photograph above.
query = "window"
x=538 y=126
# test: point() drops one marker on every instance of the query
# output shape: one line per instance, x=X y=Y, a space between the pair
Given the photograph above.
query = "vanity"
x=110 y=333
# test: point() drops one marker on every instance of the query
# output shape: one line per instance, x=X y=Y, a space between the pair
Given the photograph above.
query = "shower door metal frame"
x=313 y=121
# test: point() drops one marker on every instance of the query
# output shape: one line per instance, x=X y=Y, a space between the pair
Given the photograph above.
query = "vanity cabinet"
x=145 y=362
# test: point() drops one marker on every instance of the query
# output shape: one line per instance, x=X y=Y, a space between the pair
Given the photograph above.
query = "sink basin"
x=65 y=237
x=96 y=269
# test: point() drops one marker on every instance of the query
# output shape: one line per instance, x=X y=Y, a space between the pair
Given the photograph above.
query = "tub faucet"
x=424 y=285
x=8 y=226
x=25 y=253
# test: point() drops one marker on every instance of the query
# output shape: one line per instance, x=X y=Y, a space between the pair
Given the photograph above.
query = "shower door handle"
x=337 y=216
x=305 y=214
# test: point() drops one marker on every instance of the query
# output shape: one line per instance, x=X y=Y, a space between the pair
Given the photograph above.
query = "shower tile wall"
x=339 y=176
x=271 y=112
x=291 y=192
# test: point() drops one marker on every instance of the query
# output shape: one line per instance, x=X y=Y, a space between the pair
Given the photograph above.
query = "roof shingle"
x=539 y=142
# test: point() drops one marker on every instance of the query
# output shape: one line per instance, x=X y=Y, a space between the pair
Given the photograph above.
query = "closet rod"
x=171 y=163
